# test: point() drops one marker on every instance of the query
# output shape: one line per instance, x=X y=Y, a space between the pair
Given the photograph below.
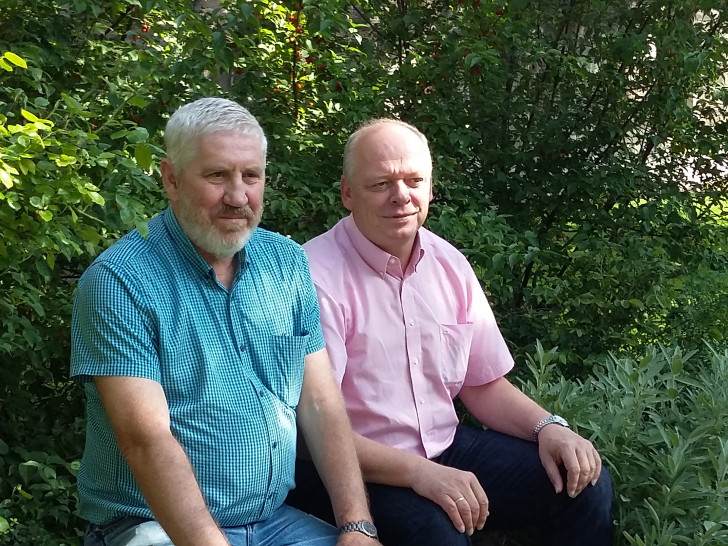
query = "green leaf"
x=46 y=215
x=29 y=116
x=15 y=59
x=138 y=101
x=23 y=493
x=143 y=156
x=5 y=66
x=97 y=198
x=139 y=134
x=6 y=179
x=27 y=166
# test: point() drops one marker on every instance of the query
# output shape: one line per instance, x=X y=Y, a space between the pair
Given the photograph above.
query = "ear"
x=432 y=185
x=169 y=180
x=346 y=198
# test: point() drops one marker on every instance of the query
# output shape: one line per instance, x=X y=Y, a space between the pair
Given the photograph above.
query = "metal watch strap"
x=551 y=419
x=365 y=527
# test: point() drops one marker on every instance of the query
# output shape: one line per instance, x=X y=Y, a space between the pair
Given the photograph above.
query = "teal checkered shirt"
x=230 y=363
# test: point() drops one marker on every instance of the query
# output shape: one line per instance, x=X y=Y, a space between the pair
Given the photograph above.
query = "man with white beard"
x=200 y=351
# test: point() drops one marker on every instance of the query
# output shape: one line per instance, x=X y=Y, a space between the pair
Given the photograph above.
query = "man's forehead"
x=412 y=165
x=391 y=143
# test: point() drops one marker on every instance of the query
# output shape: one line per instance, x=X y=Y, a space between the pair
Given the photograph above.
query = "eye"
x=252 y=177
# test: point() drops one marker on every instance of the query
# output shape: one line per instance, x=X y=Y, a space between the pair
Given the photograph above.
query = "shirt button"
x=414 y=363
x=261 y=393
x=422 y=401
x=275 y=445
x=391 y=260
x=411 y=322
x=242 y=348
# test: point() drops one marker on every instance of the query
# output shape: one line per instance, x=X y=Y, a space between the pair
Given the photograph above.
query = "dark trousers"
x=519 y=492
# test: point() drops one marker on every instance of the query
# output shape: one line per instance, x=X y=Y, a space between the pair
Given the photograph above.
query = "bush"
x=660 y=423
x=580 y=160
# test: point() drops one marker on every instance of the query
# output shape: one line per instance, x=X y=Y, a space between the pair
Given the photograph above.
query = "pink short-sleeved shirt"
x=403 y=343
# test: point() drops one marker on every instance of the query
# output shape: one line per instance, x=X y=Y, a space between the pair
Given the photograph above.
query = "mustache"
x=236 y=212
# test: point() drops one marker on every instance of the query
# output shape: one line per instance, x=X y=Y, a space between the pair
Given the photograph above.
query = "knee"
x=597 y=499
x=431 y=527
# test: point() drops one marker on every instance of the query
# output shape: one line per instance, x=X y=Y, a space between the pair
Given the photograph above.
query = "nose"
x=400 y=193
x=236 y=192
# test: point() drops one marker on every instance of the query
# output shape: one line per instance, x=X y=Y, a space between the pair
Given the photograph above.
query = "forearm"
x=330 y=442
x=387 y=465
x=504 y=408
x=169 y=486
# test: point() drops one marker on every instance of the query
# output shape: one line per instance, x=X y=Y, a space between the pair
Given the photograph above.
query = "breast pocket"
x=283 y=375
x=455 y=341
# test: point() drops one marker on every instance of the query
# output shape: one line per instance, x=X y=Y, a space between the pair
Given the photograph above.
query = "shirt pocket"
x=284 y=374
x=455 y=341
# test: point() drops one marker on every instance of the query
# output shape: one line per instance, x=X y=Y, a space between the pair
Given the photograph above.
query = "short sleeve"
x=112 y=327
x=334 y=329
x=489 y=355
x=310 y=314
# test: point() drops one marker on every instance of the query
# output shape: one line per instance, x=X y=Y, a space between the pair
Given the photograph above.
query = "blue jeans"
x=519 y=492
x=285 y=527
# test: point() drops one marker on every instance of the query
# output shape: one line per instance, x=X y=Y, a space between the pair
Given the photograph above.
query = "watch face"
x=365 y=527
x=369 y=528
x=560 y=421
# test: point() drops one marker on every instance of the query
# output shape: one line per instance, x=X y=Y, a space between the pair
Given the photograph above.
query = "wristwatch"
x=551 y=419
x=365 y=527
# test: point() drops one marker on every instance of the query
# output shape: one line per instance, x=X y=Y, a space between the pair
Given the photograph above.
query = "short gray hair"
x=353 y=140
x=205 y=116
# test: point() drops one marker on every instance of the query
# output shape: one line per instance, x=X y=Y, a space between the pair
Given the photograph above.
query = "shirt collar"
x=379 y=260
x=188 y=250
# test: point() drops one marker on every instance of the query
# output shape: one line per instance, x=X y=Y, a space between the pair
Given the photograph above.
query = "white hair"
x=205 y=116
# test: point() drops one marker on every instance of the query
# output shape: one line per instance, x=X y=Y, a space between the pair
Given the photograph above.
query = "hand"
x=558 y=446
x=459 y=493
x=355 y=538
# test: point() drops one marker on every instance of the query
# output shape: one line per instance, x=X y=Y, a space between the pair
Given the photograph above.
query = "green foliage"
x=580 y=156
x=660 y=424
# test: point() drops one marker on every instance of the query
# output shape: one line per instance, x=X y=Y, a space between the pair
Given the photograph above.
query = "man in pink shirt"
x=408 y=329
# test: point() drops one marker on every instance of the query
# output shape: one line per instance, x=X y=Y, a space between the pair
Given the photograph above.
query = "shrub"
x=660 y=423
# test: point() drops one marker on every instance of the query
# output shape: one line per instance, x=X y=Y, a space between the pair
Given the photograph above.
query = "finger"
x=584 y=472
x=483 y=510
x=598 y=469
x=571 y=464
x=453 y=512
x=478 y=504
x=553 y=472
x=594 y=467
x=466 y=505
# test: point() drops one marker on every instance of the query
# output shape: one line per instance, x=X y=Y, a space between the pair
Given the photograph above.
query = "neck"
x=224 y=268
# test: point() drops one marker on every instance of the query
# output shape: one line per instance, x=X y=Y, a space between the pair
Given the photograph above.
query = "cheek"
x=255 y=197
